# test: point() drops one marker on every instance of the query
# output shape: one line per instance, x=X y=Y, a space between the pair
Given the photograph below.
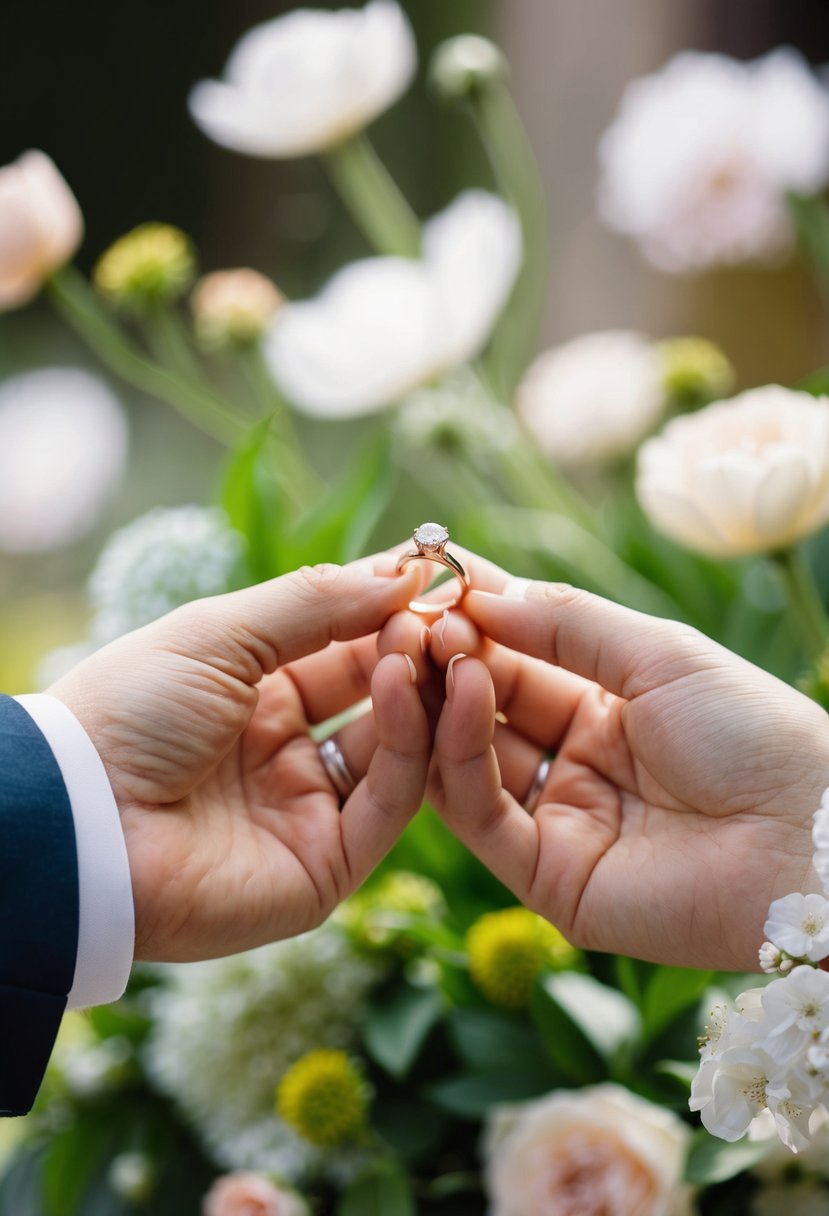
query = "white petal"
x=782 y=495
x=362 y=343
x=473 y=249
x=680 y=518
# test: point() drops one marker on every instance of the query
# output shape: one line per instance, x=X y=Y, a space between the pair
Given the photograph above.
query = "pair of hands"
x=677 y=807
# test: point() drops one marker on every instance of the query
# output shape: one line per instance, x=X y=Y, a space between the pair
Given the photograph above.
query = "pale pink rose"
x=244 y=1194
x=592 y=1152
x=40 y=226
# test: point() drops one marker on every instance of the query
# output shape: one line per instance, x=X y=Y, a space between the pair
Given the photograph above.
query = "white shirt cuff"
x=106 y=921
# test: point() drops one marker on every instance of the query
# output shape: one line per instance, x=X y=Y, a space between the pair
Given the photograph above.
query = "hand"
x=234 y=834
x=679 y=802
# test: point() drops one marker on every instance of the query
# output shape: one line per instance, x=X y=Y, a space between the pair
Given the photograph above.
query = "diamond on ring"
x=430 y=541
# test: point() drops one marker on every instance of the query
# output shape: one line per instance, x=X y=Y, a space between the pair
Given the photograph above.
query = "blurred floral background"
x=592 y=339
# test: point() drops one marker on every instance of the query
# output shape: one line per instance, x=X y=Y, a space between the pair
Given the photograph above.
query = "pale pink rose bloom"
x=244 y=1194
x=40 y=226
x=600 y=1151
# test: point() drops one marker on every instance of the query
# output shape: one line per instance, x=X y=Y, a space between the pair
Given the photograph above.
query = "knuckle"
x=320 y=579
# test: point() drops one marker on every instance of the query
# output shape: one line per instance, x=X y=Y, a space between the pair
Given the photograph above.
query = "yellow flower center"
x=508 y=950
x=323 y=1098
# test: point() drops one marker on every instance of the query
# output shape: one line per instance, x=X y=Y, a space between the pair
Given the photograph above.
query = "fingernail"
x=412 y=668
x=517 y=588
x=425 y=639
x=444 y=621
x=450 y=674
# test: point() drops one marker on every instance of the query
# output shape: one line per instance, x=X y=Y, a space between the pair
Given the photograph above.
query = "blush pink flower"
x=600 y=1151
x=242 y=1194
x=40 y=226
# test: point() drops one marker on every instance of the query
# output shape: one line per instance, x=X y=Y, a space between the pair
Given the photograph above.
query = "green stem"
x=295 y=473
x=806 y=606
x=516 y=171
x=373 y=198
x=533 y=482
x=811 y=221
x=75 y=301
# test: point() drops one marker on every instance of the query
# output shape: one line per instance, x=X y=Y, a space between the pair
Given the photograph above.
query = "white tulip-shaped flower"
x=40 y=226
x=63 y=445
x=382 y=326
x=306 y=81
x=749 y=475
x=594 y=398
x=699 y=159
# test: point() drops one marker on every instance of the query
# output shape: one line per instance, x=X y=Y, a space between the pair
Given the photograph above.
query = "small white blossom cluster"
x=226 y=1031
x=770 y=1055
x=160 y=561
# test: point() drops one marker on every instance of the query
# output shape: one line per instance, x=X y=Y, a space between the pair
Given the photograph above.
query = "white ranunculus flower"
x=384 y=325
x=594 y=398
x=63 y=447
x=698 y=161
x=586 y=1151
x=749 y=475
x=41 y=226
x=305 y=81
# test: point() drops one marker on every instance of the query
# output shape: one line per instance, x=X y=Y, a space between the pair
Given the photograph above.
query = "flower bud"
x=40 y=226
x=234 y=306
x=695 y=371
x=465 y=66
x=153 y=264
x=770 y=958
x=509 y=949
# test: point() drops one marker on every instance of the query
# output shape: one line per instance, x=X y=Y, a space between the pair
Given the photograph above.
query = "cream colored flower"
x=382 y=326
x=234 y=305
x=306 y=81
x=586 y=1153
x=243 y=1194
x=594 y=398
x=63 y=446
x=41 y=226
x=749 y=475
x=697 y=164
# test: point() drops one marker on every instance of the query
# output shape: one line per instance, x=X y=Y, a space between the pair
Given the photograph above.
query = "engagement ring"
x=430 y=540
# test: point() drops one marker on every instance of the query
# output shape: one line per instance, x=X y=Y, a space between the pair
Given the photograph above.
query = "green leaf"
x=471 y=1096
x=254 y=504
x=586 y=1026
x=74 y=1157
x=411 y=1127
x=383 y=1191
x=670 y=991
x=811 y=221
x=486 y=1039
x=711 y=1160
x=397 y=1023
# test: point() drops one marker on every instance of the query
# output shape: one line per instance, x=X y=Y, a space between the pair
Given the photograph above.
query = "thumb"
x=266 y=626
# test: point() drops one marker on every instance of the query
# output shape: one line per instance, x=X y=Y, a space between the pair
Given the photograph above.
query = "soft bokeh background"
x=102 y=88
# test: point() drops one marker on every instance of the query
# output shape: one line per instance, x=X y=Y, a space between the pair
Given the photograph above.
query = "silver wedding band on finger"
x=539 y=781
x=339 y=774
x=430 y=544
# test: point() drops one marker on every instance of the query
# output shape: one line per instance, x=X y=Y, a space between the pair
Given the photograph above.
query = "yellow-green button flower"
x=509 y=949
x=323 y=1098
x=153 y=263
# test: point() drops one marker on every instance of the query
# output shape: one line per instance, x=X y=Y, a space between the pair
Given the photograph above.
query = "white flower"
x=40 y=226
x=305 y=81
x=820 y=839
x=132 y=1176
x=234 y=305
x=770 y=958
x=161 y=560
x=730 y=1090
x=63 y=447
x=599 y=1149
x=799 y=924
x=382 y=326
x=226 y=1031
x=749 y=475
x=701 y=155
x=797 y=1011
x=593 y=399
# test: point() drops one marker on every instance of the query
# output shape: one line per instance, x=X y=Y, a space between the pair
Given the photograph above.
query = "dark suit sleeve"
x=38 y=905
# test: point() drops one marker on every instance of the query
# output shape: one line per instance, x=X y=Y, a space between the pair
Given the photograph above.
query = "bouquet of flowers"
x=434 y=1048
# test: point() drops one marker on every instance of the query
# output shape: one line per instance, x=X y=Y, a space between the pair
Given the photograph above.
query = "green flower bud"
x=464 y=66
x=152 y=264
x=695 y=371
